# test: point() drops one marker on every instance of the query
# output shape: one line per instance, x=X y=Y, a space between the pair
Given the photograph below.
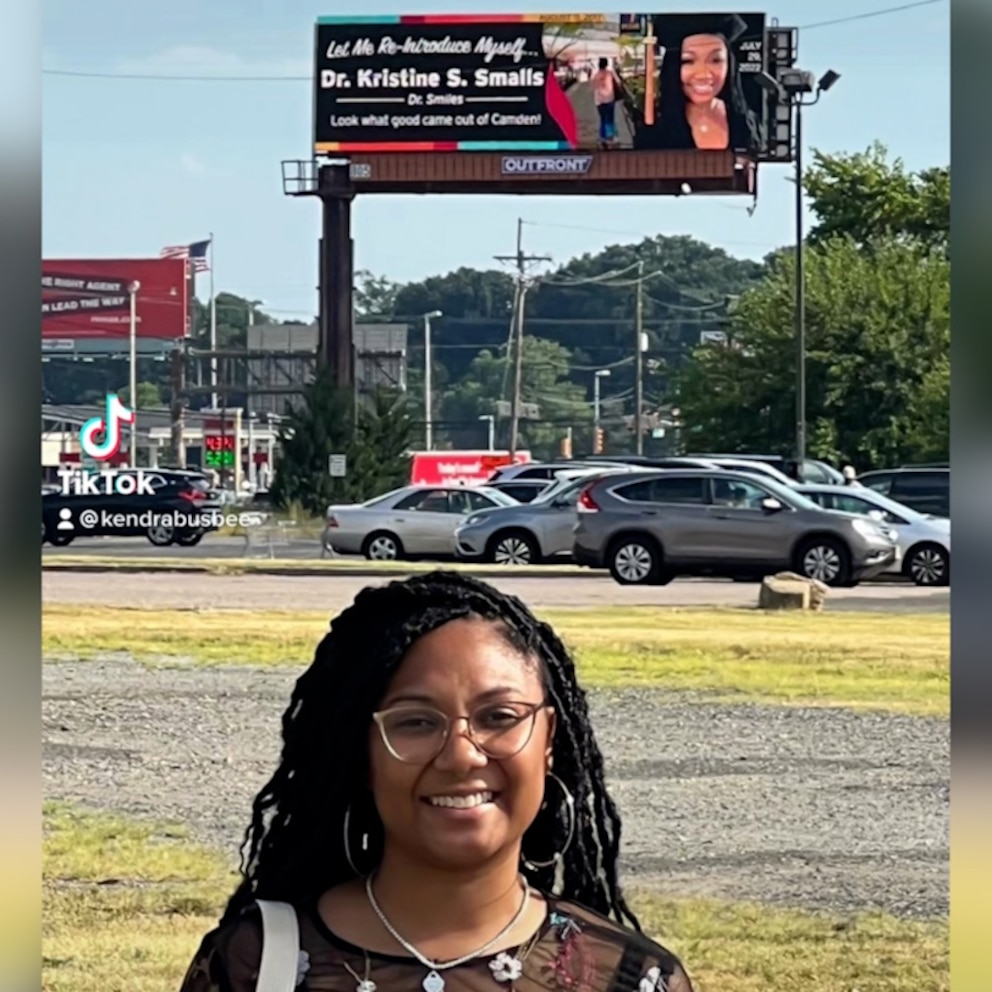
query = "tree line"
x=720 y=367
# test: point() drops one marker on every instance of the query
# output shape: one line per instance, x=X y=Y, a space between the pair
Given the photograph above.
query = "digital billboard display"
x=539 y=82
x=90 y=298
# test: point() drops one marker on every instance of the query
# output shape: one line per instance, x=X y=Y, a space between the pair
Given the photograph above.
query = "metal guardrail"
x=262 y=540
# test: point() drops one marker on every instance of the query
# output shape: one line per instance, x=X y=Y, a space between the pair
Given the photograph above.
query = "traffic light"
x=598 y=444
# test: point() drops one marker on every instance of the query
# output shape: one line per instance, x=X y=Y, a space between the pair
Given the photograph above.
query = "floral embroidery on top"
x=302 y=967
x=570 y=968
x=653 y=981
x=505 y=968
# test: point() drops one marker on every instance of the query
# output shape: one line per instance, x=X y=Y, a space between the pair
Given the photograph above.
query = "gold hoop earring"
x=568 y=800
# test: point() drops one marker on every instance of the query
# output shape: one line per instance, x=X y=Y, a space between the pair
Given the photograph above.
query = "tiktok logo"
x=109 y=425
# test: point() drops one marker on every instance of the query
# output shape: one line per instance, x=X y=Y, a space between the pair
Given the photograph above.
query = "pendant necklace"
x=507 y=967
x=364 y=984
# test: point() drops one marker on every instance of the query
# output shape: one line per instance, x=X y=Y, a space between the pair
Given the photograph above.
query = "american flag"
x=196 y=253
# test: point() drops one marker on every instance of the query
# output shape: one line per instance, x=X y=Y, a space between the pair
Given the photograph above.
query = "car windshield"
x=498 y=496
x=564 y=487
x=879 y=501
x=788 y=495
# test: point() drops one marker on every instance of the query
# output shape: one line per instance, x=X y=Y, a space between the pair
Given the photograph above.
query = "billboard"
x=90 y=298
x=539 y=82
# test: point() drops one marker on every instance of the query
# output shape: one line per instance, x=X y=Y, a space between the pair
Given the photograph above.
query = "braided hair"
x=294 y=847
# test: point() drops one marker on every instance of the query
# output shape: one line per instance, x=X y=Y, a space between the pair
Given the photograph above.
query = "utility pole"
x=639 y=361
x=521 y=261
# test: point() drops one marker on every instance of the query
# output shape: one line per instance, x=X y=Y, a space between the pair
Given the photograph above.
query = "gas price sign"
x=218 y=451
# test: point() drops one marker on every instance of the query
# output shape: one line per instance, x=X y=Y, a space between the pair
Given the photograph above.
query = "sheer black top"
x=575 y=950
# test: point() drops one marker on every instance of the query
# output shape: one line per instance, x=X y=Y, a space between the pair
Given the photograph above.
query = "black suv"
x=174 y=492
x=926 y=489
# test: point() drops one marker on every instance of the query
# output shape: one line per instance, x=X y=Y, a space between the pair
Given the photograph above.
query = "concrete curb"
x=283 y=569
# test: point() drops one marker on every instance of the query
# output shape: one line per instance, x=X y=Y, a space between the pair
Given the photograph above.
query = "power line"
x=162 y=78
x=870 y=13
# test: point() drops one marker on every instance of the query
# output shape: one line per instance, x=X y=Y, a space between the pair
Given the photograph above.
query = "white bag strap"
x=280 y=947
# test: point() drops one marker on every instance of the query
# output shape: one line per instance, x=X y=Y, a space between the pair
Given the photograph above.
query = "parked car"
x=758 y=468
x=924 y=489
x=175 y=492
x=813 y=470
x=529 y=534
x=548 y=471
x=412 y=522
x=924 y=541
x=522 y=490
x=647 y=529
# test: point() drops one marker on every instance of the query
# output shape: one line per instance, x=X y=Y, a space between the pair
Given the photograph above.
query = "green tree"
x=325 y=423
x=878 y=335
x=149 y=396
x=877 y=367
x=544 y=382
x=464 y=293
x=374 y=295
x=866 y=197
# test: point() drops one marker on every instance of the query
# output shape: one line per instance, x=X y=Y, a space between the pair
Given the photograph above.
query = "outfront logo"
x=109 y=425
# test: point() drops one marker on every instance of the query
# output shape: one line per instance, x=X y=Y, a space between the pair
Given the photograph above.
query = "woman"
x=700 y=101
x=439 y=778
x=605 y=93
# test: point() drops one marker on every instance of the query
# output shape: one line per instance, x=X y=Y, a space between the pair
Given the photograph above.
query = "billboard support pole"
x=800 y=297
x=336 y=345
x=133 y=371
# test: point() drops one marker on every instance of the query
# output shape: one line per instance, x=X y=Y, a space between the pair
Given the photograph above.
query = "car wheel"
x=189 y=540
x=383 y=546
x=161 y=535
x=514 y=548
x=825 y=559
x=635 y=561
x=928 y=565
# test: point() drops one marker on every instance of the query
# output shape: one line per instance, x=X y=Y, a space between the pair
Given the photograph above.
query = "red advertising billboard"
x=465 y=468
x=91 y=298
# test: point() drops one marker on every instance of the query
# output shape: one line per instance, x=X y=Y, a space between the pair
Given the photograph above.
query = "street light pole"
x=639 y=361
x=800 y=302
x=133 y=371
x=491 y=422
x=597 y=379
x=789 y=87
x=428 y=386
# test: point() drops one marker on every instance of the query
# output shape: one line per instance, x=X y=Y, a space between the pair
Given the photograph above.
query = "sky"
x=132 y=165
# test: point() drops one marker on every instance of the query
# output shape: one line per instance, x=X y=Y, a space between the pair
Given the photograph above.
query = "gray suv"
x=647 y=528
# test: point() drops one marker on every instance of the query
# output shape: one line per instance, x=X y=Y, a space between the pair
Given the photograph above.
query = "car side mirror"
x=878 y=515
x=771 y=505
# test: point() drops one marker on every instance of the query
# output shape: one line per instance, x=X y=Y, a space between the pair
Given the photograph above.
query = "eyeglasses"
x=416 y=735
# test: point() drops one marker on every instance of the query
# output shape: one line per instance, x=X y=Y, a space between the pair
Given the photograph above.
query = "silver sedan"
x=529 y=534
x=924 y=542
x=413 y=522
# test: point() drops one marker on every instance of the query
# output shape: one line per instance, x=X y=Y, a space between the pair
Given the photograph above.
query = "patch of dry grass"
x=894 y=662
x=126 y=905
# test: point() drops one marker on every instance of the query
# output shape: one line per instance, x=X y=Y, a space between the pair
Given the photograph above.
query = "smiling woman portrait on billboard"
x=699 y=99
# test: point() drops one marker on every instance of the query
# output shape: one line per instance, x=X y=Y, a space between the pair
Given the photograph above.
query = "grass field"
x=898 y=663
x=126 y=904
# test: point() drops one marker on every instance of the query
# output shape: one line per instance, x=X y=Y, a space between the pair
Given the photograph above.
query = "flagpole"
x=213 y=331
